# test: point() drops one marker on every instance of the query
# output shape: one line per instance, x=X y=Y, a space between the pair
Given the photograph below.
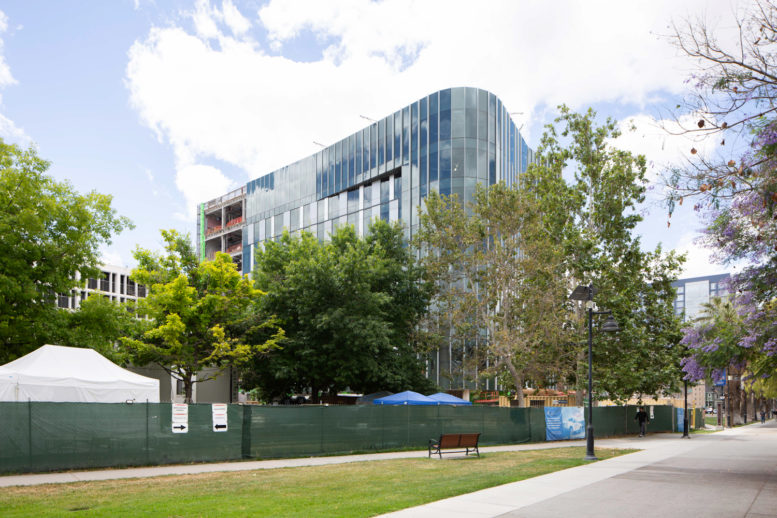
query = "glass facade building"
x=448 y=141
x=693 y=293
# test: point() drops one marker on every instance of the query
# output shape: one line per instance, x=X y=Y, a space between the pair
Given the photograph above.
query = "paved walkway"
x=727 y=474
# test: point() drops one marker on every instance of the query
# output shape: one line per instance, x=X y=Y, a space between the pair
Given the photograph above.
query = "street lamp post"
x=586 y=293
x=685 y=412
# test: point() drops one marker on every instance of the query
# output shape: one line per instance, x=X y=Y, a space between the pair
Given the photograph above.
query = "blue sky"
x=164 y=104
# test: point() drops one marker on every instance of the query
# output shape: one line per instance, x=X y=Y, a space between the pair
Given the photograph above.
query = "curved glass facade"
x=448 y=141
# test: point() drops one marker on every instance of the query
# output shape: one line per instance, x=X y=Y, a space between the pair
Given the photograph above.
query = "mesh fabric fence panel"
x=349 y=428
x=15 y=449
x=662 y=419
x=86 y=435
x=609 y=421
x=286 y=431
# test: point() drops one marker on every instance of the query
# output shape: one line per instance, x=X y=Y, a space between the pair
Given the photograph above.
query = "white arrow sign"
x=219 y=417
x=180 y=418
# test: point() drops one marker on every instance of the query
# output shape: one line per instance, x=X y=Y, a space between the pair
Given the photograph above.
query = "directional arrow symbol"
x=220 y=426
x=179 y=427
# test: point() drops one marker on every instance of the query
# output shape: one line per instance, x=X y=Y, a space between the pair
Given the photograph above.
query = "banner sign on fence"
x=180 y=418
x=219 y=411
x=680 y=419
x=562 y=423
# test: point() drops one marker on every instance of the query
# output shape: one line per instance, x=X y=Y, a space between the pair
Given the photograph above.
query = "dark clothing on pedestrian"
x=763 y=417
x=642 y=418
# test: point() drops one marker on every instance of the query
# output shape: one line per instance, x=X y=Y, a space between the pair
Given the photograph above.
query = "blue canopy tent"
x=407 y=397
x=447 y=399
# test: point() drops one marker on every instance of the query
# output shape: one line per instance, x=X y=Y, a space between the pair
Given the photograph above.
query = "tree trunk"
x=581 y=367
x=187 y=386
x=518 y=380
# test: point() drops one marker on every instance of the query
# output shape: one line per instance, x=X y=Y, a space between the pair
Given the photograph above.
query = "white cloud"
x=200 y=183
x=215 y=93
x=664 y=143
x=8 y=129
x=698 y=259
x=111 y=257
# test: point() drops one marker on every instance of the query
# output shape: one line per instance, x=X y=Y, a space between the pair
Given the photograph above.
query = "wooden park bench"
x=448 y=441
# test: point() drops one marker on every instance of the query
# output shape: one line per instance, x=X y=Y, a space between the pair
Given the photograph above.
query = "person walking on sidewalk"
x=763 y=416
x=642 y=418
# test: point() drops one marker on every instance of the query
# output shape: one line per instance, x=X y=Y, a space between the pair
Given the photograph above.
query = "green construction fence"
x=37 y=436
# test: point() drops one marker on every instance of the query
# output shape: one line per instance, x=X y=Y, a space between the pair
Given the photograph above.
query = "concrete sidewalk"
x=726 y=474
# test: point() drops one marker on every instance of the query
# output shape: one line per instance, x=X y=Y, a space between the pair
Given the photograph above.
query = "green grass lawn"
x=355 y=489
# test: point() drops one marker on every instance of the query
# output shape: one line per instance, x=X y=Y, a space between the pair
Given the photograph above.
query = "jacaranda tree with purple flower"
x=735 y=99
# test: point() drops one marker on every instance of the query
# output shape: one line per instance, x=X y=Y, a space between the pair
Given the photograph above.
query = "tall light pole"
x=586 y=293
x=685 y=411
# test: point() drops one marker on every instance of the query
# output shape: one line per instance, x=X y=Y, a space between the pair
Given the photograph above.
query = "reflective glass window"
x=471 y=123
x=353 y=201
x=294 y=216
x=375 y=193
x=445 y=125
x=397 y=136
x=406 y=136
x=322 y=210
x=445 y=167
x=368 y=195
x=353 y=220
x=384 y=191
x=457 y=123
x=382 y=142
x=318 y=174
x=268 y=230
x=384 y=212
x=397 y=186
x=458 y=98
x=696 y=295
x=457 y=159
x=471 y=158
x=389 y=139
x=358 y=158
x=278 y=226
x=332 y=180
x=373 y=145
x=414 y=134
x=366 y=220
x=261 y=229
x=433 y=164
x=342 y=202
x=366 y=151
x=334 y=207
x=338 y=166
x=351 y=169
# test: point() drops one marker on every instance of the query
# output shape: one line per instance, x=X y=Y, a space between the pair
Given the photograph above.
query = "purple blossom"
x=693 y=371
x=770 y=347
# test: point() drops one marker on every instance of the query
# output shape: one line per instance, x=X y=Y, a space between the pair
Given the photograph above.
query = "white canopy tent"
x=57 y=373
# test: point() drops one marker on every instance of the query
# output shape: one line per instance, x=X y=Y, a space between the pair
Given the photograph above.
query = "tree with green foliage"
x=49 y=233
x=505 y=268
x=589 y=192
x=98 y=323
x=349 y=307
x=203 y=314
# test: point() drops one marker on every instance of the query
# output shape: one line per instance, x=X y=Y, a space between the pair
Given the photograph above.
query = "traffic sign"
x=180 y=415
x=219 y=411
